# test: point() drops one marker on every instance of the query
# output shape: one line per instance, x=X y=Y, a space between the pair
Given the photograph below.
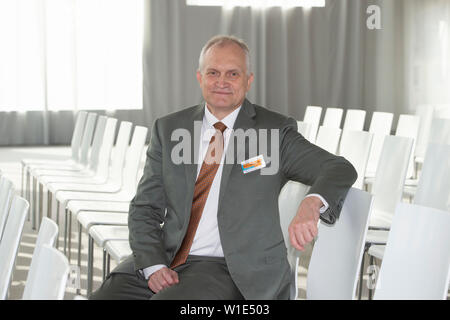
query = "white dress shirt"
x=207 y=240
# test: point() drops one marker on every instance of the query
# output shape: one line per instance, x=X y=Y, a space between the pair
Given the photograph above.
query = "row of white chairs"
x=94 y=192
x=49 y=268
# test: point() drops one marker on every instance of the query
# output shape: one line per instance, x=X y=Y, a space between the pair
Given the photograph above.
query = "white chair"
x=114 y=181
x=48 y=232
x=99 y=235
x=387 y=189
x=433 y=189
x=6 y=195
x=389 y=180
x=304 y=129
x=97 y=171
x=125 y=194
x=380 y=126
x=354 y=120
x=50 y=274
x=355 y=147
x=119 y=250
x=440 y=131
x=74 y=145
x=333 y=117
x=425 y=113
x=408 y=126
x=336 y=256
x=10 y=242
x=312 y=116
x=289 y=200
x=416 y=263
x=328 y=138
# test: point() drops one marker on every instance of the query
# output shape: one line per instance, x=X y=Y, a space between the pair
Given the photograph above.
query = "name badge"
x=253 y=164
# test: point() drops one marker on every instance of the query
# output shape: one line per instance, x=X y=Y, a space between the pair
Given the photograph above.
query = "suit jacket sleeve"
x=329 y=175
x=147 y=210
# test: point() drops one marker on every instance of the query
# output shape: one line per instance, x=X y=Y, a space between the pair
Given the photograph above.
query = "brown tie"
x=201 y=190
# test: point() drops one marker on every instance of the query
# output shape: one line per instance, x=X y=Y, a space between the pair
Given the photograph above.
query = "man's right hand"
x=161 y=279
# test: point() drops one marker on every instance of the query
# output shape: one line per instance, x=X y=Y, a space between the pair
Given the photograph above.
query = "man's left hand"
x=303 y=227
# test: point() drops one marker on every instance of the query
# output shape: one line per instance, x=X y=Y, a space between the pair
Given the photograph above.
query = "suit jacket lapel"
x=244 y=120
x=191 y=169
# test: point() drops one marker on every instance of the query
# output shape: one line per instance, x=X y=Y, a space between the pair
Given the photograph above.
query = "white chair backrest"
x=51 y=271
x=440 y=131
x=380 y=126
x=354 y=120
x=78 y=135
x=355 y=147
x=289 y=200
x=433 y=189
x=328 y=138
x=425 y=113
x=391 y=172
x=132 y=160
x=10 y=242
x=304 y=129
x=97 y=142
x=104 y=156
x=312 y=116
x=6 y=195
x=119 y=151
x=416 y=261
x=408 y=126
x=88 y=132
x=337 y=253
x=333 y=117
x=48 y=231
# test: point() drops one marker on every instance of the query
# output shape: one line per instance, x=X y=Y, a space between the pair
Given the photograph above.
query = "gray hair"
x=222 y=40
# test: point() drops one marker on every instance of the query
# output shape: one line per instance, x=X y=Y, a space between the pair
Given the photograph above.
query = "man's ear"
x=250 y=81
x=199 y=77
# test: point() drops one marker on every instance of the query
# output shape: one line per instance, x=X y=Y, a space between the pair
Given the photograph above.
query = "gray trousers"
x=200 y=278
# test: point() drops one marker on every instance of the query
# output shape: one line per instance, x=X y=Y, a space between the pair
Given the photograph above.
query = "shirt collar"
x=229 y=120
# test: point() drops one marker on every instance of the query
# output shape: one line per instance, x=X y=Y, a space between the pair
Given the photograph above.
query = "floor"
x=10 y=166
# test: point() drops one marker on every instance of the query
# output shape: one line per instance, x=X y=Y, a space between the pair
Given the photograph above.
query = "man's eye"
x=212 y=73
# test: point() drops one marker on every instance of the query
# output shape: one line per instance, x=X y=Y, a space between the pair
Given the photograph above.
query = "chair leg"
x=41 y=200
x=65 y=232
x=57 y=218
x=22 y=187
x=370 y=289
x=104 y=264
x=79 y=252
x=361 y=273
x=108 y=265
x=90 y=265
x=49 y=204
x=69 y=213
x=27 y=182
x=33 y=203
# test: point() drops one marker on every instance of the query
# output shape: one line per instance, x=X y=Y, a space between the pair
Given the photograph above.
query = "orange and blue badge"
x=253 y=164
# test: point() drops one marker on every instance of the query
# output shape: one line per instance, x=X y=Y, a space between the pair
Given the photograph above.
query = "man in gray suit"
x=207 y=228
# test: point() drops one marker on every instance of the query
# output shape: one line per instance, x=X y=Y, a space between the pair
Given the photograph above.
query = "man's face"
x=224 y=80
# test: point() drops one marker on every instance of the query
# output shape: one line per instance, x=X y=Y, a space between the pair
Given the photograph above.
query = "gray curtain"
x=319 y=56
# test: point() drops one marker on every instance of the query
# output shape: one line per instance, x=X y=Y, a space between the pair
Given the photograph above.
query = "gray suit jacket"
x=248 y=216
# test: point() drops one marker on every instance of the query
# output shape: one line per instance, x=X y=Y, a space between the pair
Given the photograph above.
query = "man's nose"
x=222 y=81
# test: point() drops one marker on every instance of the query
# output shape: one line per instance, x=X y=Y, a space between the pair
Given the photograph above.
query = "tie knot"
x=220 y=126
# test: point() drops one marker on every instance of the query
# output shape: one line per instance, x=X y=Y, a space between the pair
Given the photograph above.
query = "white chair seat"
x=88 y=219
x=76 y=206
x=73 y=179
x=377 y=236
x=112 y=186
x=76 y=170
x=100 y=234
x=119 y=250
x=64 y=196
x=380 y=219
x=377 y=251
